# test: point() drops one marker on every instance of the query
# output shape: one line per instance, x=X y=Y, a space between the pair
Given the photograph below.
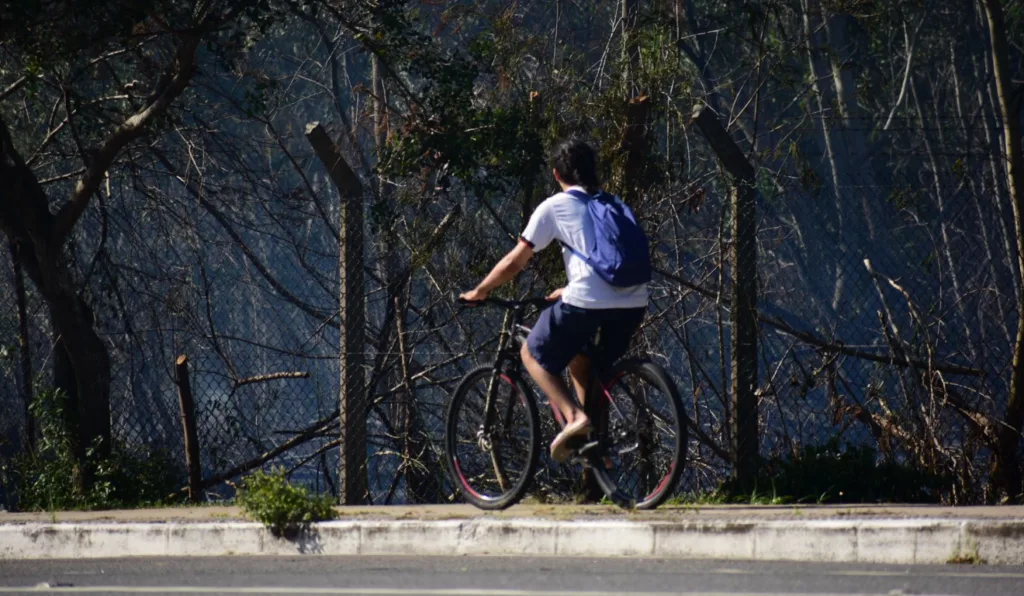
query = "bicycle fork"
x=484 y=438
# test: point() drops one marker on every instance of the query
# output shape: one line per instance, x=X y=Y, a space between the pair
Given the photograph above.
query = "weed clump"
x=269 y=498
x=44 y=479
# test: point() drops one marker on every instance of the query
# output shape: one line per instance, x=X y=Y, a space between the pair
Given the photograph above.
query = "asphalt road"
x=496 y=576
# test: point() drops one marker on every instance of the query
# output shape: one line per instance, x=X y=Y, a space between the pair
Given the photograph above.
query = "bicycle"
x=492 y=428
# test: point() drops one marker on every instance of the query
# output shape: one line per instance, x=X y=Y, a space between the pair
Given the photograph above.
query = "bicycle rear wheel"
x=642 y=441
x=492 y=465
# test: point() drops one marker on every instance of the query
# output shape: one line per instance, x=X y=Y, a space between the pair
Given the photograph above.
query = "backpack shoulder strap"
x=585 y=258
x=578 y=194
x=585 y=198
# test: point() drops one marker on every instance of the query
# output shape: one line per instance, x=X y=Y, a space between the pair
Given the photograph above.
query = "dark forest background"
x=159 y=197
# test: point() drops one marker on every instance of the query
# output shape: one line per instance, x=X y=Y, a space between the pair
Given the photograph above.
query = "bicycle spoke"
x=644 y=434
x=642 y=402
x=492 y=453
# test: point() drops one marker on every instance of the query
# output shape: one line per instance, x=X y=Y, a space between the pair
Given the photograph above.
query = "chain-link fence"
x=886 y=318
x=12 y=400
x=24 y=356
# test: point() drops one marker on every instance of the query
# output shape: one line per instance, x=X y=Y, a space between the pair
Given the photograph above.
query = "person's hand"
x=555 y=295
x=474 y=295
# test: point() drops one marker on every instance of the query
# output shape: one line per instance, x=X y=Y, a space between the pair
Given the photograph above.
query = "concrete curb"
x=903 y=541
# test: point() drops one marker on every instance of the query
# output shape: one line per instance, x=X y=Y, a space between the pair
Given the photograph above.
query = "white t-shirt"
x=564 y=218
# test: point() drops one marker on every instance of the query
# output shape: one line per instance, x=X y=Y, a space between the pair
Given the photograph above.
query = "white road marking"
x=967 y=574
x=885 y=573
x=374 y=591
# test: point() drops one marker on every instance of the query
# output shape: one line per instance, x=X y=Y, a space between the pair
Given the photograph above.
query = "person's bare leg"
x=579 y=372
x=554 y=387
x=576 y=421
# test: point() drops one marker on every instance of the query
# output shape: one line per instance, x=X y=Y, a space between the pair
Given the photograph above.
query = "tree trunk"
x=27 y=222
x=636 y=141
x=1006 y=473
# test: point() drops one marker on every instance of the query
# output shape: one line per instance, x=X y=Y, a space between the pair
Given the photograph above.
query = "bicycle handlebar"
x=537 y=302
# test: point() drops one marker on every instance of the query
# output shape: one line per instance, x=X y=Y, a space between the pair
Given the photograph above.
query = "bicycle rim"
x=492 y=467
x=642 y=442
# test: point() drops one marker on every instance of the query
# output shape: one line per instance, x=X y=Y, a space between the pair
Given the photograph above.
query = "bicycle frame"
x=507 y=358
x=505 y=354
x=616 y=405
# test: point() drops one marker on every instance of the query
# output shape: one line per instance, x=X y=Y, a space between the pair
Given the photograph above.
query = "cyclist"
x=588 y=311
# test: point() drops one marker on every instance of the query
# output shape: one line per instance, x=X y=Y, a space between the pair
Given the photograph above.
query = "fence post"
x=352 y=473
x=743 y=261
x=188 y=422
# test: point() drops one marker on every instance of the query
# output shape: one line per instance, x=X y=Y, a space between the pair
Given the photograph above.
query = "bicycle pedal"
x=582 y=454
x=586 y=448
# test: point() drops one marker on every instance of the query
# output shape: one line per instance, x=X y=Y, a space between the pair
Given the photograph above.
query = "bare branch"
x=831 y=346
x=244 y=247
x=271 y=377
x=60 y=177
x=132 y=128
x=906 y=73
x=13 y=87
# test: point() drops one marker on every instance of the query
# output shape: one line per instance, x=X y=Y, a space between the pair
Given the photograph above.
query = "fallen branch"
x=310 y=432
x=271 y=377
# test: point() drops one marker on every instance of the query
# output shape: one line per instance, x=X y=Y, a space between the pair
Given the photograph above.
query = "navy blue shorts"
x=562 y=331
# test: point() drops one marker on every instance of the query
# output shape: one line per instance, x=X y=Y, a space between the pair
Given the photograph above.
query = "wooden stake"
x=188 y=421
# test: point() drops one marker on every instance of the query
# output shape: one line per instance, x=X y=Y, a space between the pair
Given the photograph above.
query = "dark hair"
x=576 y=163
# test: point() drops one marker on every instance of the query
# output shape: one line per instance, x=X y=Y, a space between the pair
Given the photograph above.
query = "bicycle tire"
x=624 y=471
x=475 y=470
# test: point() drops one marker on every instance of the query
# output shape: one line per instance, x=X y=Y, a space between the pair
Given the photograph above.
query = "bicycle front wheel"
x=491 y=456
x=642 y=437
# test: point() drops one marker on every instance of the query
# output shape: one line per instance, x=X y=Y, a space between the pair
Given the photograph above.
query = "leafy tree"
x=102 y=79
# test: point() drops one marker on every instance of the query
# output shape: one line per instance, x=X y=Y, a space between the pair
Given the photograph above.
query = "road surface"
x=497 y=576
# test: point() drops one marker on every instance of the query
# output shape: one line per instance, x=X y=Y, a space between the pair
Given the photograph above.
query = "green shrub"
x=44 y=480
x=269 y=498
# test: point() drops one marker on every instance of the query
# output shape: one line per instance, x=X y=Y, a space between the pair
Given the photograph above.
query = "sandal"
x=560 y=450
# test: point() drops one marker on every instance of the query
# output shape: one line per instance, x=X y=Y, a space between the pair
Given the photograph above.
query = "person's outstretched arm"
x=508 y=267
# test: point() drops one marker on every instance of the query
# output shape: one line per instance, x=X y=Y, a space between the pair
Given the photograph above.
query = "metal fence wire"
x=12 y=401
x=885 y=319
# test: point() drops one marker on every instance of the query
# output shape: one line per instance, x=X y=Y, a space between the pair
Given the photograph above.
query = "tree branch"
x=309 y=433
x=832 y=346
x=906 y=73
x=13 y=87
x=100 y=161
x=264 y=271
x=271 y=377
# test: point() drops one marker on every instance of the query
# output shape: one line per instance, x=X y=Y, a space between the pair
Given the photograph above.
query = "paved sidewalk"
x=838 y=533
x=553 y=512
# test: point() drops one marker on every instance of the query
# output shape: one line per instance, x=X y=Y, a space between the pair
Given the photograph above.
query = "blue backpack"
x=621 y=254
